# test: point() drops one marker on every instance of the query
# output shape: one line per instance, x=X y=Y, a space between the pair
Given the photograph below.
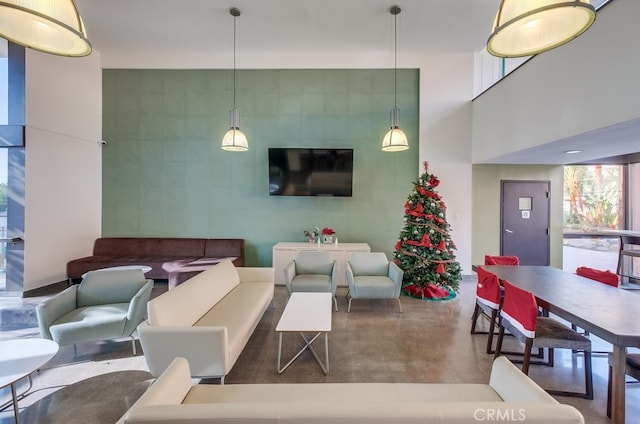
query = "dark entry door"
x=525 y=221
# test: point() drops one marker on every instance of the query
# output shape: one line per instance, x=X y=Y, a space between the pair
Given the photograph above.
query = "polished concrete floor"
x=429 y=342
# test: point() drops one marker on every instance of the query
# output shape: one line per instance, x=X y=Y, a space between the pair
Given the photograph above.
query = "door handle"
x=508 y=231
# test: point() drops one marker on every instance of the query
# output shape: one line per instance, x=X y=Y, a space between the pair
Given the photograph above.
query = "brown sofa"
x=173 y=259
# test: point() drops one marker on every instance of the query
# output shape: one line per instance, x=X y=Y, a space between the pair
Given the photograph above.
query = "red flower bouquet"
x=327 y=231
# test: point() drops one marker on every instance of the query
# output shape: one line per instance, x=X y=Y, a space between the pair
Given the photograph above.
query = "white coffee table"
x=18 y=359
x=144 y=268
x=306 y=312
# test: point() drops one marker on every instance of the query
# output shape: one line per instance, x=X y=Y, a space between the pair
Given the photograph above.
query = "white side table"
x=18 y=359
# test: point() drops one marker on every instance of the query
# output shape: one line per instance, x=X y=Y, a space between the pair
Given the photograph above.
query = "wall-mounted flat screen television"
x=310 y=172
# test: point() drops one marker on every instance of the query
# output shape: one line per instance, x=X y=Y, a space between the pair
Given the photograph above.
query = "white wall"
x=587 y=84
x=63 y=205
x=446 y=87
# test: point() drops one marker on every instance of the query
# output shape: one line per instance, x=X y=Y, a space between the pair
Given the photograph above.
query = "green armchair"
x=105 y=305
x=312 y=272
x=371 y=276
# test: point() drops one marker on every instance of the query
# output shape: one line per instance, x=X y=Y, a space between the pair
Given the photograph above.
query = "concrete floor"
x=429 y=342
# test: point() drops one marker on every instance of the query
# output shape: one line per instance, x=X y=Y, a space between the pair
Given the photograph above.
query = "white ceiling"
x=291 y=25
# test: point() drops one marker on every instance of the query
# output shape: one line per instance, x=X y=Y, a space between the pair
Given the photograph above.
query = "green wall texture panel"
x=165 y=175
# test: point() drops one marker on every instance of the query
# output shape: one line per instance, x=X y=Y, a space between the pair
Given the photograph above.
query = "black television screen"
x=310 y=172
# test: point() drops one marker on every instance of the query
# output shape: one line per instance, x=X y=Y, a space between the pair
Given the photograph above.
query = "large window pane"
x=594 y=201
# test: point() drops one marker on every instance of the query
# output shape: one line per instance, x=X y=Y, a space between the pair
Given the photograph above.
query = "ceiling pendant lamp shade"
x=528 y=27
x=50 y=26
x=234 y=140
x=395 y=140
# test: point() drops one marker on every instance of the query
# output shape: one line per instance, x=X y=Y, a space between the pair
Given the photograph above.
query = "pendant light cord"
x=234 y=61
x=395 y=61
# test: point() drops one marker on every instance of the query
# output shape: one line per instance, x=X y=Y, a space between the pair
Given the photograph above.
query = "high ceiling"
x=196 y=26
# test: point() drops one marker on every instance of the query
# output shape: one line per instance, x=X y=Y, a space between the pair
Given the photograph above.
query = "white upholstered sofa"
x=208 y=319
x=509 y=396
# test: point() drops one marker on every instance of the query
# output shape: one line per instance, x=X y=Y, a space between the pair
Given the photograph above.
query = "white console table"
x=285 y=252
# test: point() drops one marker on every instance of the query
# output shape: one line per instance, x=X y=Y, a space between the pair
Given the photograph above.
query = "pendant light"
x=234 y=140
x=525 y=28
x=48 y=26
x=395 y=140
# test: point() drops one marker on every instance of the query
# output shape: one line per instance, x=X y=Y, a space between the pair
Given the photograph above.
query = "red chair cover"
x=501 y=260
x=488 y=288
x=606 y=277
x=520 y=308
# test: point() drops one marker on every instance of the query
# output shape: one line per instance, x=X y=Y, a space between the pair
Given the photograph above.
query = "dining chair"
x=488 y=299
x=501 y=260
x=312 y=272
x=519 y=315
x=632 y=369
x=605 y=277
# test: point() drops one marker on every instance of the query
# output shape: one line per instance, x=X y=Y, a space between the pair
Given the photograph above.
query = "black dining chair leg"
x=527 y=356
x=499 y=342
x=492 y=326
x=474 y=318
x=551 y=357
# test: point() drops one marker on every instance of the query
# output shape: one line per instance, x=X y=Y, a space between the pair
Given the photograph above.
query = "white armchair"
x=371 y=276
x=312 y=272
x=105 y=305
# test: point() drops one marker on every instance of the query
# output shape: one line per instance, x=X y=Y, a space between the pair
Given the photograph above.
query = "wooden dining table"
x=611 y=313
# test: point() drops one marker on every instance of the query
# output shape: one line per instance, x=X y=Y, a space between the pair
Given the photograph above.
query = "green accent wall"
x=164 y=173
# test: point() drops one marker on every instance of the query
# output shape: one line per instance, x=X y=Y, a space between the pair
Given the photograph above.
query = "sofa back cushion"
x=188 y=302
x=149 y=246
x=106 y=287
x=224 y=247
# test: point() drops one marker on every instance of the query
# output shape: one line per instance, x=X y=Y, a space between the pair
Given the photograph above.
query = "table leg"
x=325 y=369
x=618 y=385
x=307 y=345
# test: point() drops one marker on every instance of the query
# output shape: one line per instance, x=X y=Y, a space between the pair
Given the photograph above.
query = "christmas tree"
x=425 y=251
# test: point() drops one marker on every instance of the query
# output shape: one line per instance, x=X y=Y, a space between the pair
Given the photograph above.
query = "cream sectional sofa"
x=208 y=319
x=509 y=396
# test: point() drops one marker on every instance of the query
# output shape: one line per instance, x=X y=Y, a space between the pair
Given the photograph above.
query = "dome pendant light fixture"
x=525 y=28
x=234 y=140
x=395 y=140
x=48 y=26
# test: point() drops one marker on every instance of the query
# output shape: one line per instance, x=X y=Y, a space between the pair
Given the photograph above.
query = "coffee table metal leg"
x=306 y=346
x=325 y=369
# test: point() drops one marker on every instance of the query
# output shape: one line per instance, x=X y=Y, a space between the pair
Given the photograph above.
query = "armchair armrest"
x=396 y=274
x=138 y=307
x=205 y=348
x=349 y=272
x=55 y=307
x=289 y=275
x=334 y=278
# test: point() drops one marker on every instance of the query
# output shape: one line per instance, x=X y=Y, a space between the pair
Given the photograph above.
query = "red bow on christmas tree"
x=425 y=242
